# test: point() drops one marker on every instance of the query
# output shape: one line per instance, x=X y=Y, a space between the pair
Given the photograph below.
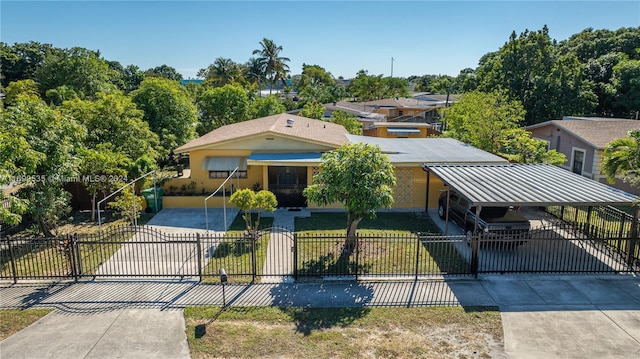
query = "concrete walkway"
x=279 y=258
x=543 y=316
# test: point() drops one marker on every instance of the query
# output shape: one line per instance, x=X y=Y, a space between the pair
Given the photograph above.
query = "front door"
x=287 y=183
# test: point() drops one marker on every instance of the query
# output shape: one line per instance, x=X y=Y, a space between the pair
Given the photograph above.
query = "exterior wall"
x=383 y=132
x=565 y=142
x=593 y=157
x=193 y=201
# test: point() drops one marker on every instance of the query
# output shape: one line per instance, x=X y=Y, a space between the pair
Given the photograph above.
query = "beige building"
x=281 y=153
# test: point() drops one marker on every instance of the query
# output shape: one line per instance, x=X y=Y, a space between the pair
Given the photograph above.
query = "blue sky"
x=424 y=37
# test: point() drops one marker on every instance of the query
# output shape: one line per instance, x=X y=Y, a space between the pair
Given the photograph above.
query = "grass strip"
x=293 y=332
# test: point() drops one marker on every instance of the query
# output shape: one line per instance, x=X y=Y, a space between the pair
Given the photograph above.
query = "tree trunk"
x=93 y=207
x=44 y=228
x=351 y=241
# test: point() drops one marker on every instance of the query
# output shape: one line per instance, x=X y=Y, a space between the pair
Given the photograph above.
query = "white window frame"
x=573 y=155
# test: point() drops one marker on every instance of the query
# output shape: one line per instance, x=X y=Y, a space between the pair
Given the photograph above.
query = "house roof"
x=302 y=128
x=411 y=151
x=527 y=185
x=598 y=133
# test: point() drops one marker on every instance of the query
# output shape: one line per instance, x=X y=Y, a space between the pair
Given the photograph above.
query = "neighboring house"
x=583 y=141
x=400 y=130
x=281 y=153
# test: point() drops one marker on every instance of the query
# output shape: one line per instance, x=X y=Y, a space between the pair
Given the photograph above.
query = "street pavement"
x=577 y=316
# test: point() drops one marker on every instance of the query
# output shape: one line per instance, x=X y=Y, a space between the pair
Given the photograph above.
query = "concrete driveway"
x=125 y=333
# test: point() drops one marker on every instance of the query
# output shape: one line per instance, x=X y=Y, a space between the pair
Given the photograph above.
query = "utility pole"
x=392 y=67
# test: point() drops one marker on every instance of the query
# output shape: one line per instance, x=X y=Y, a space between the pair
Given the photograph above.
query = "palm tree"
x=223 y=71
x=622 y=157
x=274 y=67
x=253 y=72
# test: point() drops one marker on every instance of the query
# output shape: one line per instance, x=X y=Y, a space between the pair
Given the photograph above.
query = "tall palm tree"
x=274 y=66
x=622 y=157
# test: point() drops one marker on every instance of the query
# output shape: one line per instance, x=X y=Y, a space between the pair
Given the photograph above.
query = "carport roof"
x=526 y=185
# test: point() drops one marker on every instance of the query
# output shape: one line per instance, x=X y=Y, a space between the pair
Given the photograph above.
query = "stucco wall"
x=566 y=144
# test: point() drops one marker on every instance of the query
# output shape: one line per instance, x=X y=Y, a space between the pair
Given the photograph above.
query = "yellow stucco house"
x=281 y=153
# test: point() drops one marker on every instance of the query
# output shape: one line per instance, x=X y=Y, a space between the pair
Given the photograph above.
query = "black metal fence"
x=607 y=227
x=601 y=242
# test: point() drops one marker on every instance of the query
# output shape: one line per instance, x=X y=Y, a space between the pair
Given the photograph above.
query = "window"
x=225 y=174
x=400 y=112
x=577 y=163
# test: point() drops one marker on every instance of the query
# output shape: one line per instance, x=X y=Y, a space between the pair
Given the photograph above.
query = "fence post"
x=253 y=254
x=588 y=223
x=199 y=251
x=623 y=217
x=77 y=257
x=295 y=257
x=418 y=236
x=13 y=261
x=475 y=251
x=632 y=241
x=357 y=256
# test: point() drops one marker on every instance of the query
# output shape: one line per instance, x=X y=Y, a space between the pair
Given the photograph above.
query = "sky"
x=422 y=37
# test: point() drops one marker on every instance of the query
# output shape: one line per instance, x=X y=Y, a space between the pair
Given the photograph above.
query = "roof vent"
x=290 y=122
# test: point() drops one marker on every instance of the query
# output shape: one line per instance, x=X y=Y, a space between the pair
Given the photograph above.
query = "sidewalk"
x=543 y=316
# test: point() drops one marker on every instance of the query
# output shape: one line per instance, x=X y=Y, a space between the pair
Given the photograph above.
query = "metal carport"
x=529 y=185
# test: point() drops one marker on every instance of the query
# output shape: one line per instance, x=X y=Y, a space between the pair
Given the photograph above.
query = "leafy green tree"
x=223 y=71
x=169 y=111
x=115 y=120
x=394 y=87
x=480 y=119
x=247 y=201
x=274 y=66
x=60 y=94
x=22 y=60
x=622 y=158
x=361 y=177
x=266 y=106
x=131 y=77
x=100 y=170
x=314 y=110
x=518 y=146
x=491 y=122
x=222 y=106
x=17 y=159
x=625 y=85
x=79 y=69
x=348 y=121
x=532 y=70
x=165 y=72
x=21 y=89
x=313 y=74
x=55 y=138
x=366 y=87
x=124 y=203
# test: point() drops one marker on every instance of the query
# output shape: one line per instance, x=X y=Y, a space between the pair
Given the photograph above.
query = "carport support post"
x=426 y=201
x=475 y=246
x=632 y=241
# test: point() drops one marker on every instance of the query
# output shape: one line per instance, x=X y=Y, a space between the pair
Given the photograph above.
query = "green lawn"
x=234 y=253
x=385 y=222
x=388 y=245
x=390 y=332
x=14 y=320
